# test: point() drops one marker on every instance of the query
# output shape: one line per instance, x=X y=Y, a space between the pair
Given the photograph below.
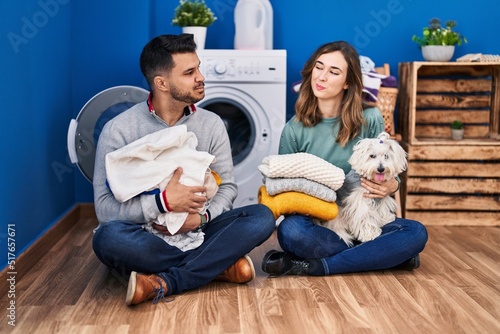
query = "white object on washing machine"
x=253 y=25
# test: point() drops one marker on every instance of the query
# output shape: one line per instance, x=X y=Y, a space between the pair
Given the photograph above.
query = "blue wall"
x=57 y=54
x=35 y=72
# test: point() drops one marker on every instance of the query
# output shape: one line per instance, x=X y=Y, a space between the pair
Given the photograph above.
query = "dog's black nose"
x=380 y=169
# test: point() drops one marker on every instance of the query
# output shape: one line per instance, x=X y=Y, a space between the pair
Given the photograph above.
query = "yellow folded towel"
x=290 y=202
x=217 y=177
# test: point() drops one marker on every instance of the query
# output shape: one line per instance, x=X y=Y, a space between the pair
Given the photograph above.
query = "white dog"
x=361 y=218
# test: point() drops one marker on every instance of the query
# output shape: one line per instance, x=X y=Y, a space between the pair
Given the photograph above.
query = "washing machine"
x=84 y=131
x=247 y=89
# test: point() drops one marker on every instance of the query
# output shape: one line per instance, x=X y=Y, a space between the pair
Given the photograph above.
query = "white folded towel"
x=304 y=165
x=149 y=163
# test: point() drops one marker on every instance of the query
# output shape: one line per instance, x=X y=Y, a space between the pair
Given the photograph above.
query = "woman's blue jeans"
x=400 y=240
x=126 y=246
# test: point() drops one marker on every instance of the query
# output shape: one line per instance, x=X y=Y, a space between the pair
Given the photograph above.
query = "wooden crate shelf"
x=432 y=95
x=450 y=182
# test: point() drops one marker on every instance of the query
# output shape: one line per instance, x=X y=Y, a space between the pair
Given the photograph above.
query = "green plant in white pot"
x=437 y=42
x=194 y=17
x=457 y=130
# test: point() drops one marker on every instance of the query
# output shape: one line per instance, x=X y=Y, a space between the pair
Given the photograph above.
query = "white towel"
x=149 y=163
x=174 y=221
x=304 y=165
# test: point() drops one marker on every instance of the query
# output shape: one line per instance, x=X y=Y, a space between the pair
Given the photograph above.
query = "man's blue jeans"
x=126 y=246
x=400 y=240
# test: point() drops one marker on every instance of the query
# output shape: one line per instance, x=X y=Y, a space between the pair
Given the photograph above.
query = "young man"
x=156 y=269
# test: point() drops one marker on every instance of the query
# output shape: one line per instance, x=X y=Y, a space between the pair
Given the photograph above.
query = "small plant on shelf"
x=457 y=125
x=457 y=130
x=435 y=34
x=193 y=13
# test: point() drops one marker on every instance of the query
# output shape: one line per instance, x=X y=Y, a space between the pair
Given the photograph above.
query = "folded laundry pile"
x=372 y=81
x=300 y=183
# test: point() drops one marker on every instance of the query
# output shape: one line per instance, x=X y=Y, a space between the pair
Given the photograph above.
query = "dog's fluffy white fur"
x=361 y=218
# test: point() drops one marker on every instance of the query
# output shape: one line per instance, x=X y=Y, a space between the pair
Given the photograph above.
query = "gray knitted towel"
x=275 y=186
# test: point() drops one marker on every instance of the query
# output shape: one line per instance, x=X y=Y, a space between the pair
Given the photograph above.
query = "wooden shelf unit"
x=450 y=182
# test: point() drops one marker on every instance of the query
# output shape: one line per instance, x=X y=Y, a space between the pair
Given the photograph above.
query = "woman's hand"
x=379 y=189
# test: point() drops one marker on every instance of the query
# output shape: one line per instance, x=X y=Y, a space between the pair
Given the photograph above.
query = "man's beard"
x=185 y=97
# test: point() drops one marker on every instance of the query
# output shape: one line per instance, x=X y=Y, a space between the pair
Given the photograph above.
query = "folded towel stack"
x=373 y=81
x=300 y=183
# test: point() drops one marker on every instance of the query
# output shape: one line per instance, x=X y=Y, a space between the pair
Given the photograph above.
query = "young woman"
x=329 y=121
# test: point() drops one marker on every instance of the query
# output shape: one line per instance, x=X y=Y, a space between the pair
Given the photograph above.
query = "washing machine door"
x=84 y=131
x=249 y=132
x=239 y=124
x=245 y=119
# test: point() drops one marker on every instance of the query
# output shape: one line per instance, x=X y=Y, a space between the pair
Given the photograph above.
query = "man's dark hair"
x=156 y=57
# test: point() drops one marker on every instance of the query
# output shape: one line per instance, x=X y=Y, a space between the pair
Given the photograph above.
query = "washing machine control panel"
x=238 y=66
x=220 y=68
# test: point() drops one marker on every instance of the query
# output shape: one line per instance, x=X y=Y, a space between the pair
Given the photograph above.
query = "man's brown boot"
x=240 y=272
x=144 y=287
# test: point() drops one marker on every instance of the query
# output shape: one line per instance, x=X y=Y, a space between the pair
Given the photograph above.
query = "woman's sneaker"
x=410 y=264
x=277 y=263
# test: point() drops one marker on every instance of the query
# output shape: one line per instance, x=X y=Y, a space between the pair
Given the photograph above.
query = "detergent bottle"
x=253 y=20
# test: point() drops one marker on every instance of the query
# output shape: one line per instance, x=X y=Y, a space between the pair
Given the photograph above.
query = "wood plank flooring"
x=456 y=290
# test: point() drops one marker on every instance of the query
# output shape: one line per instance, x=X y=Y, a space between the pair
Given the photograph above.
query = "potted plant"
x=437 y=42
x=194 y=17
x=457 y=130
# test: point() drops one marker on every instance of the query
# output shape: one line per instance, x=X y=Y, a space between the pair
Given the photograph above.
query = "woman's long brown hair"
x=351 y=113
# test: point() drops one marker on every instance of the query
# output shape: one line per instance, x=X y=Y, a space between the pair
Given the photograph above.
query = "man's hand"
x=183 y=198
x=191 y=223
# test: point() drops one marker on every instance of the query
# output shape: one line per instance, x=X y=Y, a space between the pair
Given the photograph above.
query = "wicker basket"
x=386 y=102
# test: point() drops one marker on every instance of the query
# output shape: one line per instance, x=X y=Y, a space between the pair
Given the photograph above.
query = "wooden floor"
x=456 y=290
